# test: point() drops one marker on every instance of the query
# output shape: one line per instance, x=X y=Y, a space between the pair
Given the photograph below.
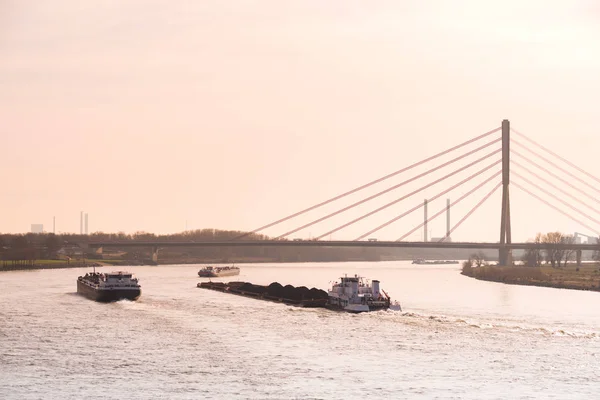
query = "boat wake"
x=416 y=318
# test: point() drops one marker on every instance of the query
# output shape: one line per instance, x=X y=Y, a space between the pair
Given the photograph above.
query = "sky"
x=165 y=115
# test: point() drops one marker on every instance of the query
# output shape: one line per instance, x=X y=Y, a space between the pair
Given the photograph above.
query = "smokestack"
x=86 y=224
x=425 y=225
x=54 y=225
x=447 y=220
x=81 y=223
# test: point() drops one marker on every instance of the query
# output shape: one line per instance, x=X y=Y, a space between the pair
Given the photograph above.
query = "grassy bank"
x=57 y=264
x=586 y=277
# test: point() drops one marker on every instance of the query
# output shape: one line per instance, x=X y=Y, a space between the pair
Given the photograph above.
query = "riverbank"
x=58 y=264
x=586 y=277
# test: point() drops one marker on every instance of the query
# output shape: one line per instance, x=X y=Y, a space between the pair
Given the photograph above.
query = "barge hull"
x=306 y=303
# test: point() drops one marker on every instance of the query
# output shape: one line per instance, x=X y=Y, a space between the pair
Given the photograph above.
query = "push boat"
x=216 y=272
x=107 y=287
x=352 y=294
x=355 y=294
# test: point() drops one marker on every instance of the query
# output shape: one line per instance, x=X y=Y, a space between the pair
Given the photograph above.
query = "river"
x=456 y=337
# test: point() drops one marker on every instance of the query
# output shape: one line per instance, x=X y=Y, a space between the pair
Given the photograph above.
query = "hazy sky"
x=230 y=114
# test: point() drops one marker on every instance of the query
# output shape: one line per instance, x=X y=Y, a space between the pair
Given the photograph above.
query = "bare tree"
x=555 y=254
x=534 y=256
x=478 y=259
x=567 y=253
x=596 y=255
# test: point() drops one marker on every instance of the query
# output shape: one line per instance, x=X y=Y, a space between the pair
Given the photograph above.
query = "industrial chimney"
x=447 y=220
x=425 y=219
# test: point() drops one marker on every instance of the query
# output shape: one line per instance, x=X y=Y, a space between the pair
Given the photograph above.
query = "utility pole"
x=505 y=231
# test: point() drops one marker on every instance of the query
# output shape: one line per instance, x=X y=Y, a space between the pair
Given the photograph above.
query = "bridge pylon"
x=505 y=255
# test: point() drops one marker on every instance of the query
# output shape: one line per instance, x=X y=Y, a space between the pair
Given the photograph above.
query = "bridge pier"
x=578 y=255
x=505 y=256
x=98 y=250
x=154 y=254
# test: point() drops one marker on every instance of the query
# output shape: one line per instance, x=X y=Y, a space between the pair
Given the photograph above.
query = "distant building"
x=69 y=252
x=590 y=239
x=37 y=228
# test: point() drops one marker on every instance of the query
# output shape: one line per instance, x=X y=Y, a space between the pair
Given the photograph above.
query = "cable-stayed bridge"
x=537 y=171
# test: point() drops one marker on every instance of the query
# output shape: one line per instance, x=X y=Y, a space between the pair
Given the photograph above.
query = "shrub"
x=467 y=267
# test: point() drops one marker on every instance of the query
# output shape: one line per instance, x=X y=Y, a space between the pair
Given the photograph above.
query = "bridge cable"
x=554 y=207
x=552 y=174
x=463 y=219
x=556 y=155
x=370 y=183
x=431 y=199
x=546 y=181
x=407 y=196
x=461 y=198
x=547 y=193
x=558 y=167
x=402 y=184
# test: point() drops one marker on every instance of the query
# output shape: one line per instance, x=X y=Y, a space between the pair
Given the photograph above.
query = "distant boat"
x=421 y=261
x=216 y=272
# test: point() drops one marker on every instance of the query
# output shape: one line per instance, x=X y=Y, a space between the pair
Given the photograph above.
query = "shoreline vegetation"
x=584 y=277
x=57 y=264
x=547 y=263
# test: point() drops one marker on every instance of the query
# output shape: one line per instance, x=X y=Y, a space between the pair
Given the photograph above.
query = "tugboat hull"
x=357 y=308
x=108 y=295
x=204 y=274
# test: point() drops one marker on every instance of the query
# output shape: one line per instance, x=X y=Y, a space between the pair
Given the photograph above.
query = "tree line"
x=546 y=249
x=26 y=248
x=31 y=246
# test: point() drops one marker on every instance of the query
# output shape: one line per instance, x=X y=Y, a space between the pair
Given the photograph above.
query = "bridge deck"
x=342 y=243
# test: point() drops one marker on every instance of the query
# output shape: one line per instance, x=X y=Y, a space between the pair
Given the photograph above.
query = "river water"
x=455 y=338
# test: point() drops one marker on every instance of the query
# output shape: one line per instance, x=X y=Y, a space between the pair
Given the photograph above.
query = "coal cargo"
x=250 y=288
x=288 y=294
x=275 y=289
x=318 y=294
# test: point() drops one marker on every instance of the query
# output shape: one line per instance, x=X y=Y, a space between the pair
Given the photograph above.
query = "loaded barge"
x=109 y=287
x=351 y=294
x=288 y=294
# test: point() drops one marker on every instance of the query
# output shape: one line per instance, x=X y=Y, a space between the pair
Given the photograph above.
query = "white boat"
x=216 y=272
x=355 y=294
